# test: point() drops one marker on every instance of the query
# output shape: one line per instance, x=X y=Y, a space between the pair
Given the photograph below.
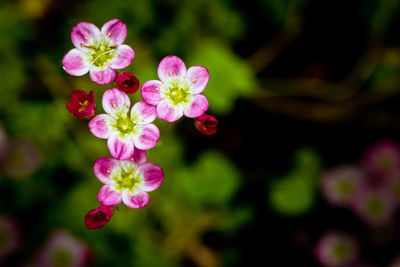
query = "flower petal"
x=84 y=33
x=150 y=92
x=102 y=76
x=198 y=76
x=198 y=107
x=139 y=156
x=143 y=113
x=108 y=197
x=119 y=149
x=136 y=201
x=148 y=138
x=167 y=113
x=171 y=66
x=116 y=30
x=103 y=167
x=74 y=64
x=124 y=57
x=98 y=126
x=153 y=176
x=115 y=99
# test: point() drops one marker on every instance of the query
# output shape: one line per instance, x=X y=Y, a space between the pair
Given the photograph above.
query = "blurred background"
x=300 y=88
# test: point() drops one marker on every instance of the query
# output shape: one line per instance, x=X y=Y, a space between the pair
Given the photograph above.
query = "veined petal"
x=150 y=92
x=198 y=76
x=116 y=30
x=114 y=99
x=84 y=33
x=153 y=176
x=103 y=76
x=136 y=201
x=99 y=127
x=139 y=156
x=171 y=66
x=119 y=149
x=167 y=113
x=198 y=107
x=74 y=64
x=103 y=167
x=108 y=197
x=148 y=138
x=124 y=57
x=143 y=113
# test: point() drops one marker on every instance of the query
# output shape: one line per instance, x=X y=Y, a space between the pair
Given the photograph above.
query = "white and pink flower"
x=99 y=52
x=179 y=90
x=127 y=180
x=125 y=130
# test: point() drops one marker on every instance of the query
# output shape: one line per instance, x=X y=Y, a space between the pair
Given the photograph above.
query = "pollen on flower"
x=126 y=178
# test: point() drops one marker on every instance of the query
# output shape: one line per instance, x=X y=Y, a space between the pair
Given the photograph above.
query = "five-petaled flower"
x=97 y=218
x=127 y=82
x=178 y=92
x=82 y=105
x=127 y=180
x=125 y=130
x=99 y=51
x=206 y=124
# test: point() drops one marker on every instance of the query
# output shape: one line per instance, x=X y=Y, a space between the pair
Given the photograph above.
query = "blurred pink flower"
x=9 y=236
x=383 y=158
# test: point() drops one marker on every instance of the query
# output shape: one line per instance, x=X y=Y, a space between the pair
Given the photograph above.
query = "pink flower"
x=97 y=218
x=82 y=105
x=127 y=82
x=178 y=92
x=336 y=249
x=99 y=52
x=342 y=184
x=9 y=236
x=206 y=124
x=127 y=180
x=125 y=130
x=383 y=158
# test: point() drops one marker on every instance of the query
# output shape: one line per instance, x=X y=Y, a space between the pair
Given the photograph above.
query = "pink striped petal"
x=103 y=76
x=74 y=64
x=166 y=113
x=148 y=138
x=98 y=126
x=83 y=33
x=143 y=113
x=118 y=149
x=124 y=57
x=108 y=197
x=150 y=92
x=139 y=156
x=171 y=66
x=115 y=99
x=199 y=77
x=116 y=30
x=197 y=108
x=103 y=167
x=153 y=176
x=136 y=201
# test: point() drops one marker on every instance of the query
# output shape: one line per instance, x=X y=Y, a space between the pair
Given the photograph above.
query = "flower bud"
x=97 y=218
x=82 y=105
x=127 y=82
x=206 y=124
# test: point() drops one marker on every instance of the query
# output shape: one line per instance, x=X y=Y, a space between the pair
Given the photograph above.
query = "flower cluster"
x=129 y=129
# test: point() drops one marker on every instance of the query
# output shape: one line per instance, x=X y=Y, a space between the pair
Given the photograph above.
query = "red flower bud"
x=82 y=105
x=127 y=82
x=97 y=218
x=206 y=124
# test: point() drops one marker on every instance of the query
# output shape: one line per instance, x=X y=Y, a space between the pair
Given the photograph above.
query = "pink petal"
x=116 y=30
x=136 y=201
x=118 y=149
x=148 y=138
x=124 y=57
x=98 y=126
x=199 y=77
x=83 y=33
x=139 y=156
x=103 y=76
x=153 y=176
x=166 y=113
x=108 y=197
x=197 y=108
x=115 y=99
x=143 y=113
x=103 y=167
x=74 y=64
x=171 y=66
x=150 y=92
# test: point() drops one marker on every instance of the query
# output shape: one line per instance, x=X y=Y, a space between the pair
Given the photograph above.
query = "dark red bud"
x=82 y=105
x=97 y=218
x=206 y=124
x=127 y=82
